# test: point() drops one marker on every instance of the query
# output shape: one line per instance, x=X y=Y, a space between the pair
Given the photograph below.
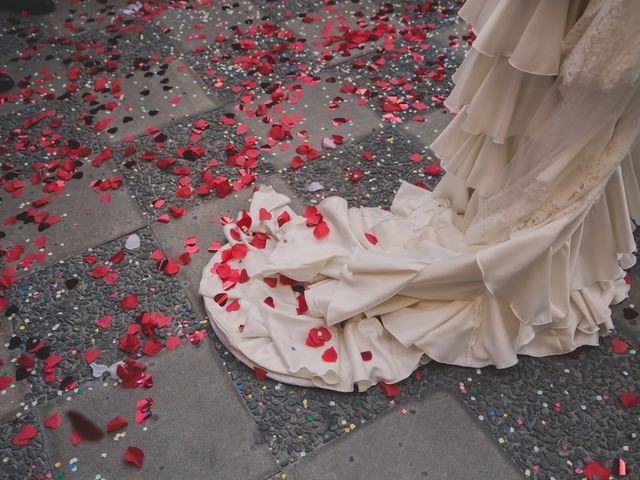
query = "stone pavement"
x=136 y=127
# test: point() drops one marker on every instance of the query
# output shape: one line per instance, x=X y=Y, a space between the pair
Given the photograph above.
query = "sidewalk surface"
x=133 y=131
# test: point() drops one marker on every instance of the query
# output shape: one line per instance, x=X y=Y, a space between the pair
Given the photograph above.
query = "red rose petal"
x=239 y=250
x=152 y=347
x=172 y=267
x=321 y=230
x=373 y=240
x=5 y=382
x=172 y=342
x=302 y=304
x=75 y=437
x=177 y=212
x=84 y=427
x=130 y=302
x=330 y=355
x=619 y=467
x=26 y=433
x=265 y=215
x=91 y=355
x=272 y=282
x=434 y=170
x=260 y=373
x=53 y=422
x=129 y=343
x=596 y=470
x=116 y=424
x=629 y=399
x=391 y=391
x=52 y=361
x=157 y=254
x=619 y=346
x=297 y=162
x=233 y=306
x=104 y=321
x=102 y=124
x=135 y=456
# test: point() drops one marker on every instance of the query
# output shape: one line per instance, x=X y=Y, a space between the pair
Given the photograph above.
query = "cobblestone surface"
x=366 y=172
x=61 y=306
x=151 y=181
x=26 y=460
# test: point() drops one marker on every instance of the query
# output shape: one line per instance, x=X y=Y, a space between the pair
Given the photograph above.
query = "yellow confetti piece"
x=352 y=426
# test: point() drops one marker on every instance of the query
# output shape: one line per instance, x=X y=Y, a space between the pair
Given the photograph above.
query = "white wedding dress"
x=519 y=250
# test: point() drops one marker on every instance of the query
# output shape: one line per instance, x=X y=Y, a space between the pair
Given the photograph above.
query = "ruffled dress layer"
x=384 y=291
x=509 y=69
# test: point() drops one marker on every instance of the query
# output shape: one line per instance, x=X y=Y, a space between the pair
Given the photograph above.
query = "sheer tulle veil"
x=582 y=131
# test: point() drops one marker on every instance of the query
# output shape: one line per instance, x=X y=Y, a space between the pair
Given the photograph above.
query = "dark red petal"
x=135 y=456
x=116 y=424
x=84 y=427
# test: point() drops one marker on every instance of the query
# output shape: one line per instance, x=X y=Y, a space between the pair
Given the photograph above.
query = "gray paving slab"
x=429 y=438
x=198 y=428
x=332 y=31
x=38 y=73
x=74 y=17
x=198 y=28
x=313 y=110
x=88 y=218
x=155 y=94
x=203 y=222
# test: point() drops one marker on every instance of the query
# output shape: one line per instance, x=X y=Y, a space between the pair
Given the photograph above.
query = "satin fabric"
x=396 y=288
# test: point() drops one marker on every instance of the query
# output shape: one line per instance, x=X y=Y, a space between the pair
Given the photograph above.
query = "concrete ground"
x=132 y=130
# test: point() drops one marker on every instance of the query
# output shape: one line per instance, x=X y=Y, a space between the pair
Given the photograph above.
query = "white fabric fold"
x=387 y=290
